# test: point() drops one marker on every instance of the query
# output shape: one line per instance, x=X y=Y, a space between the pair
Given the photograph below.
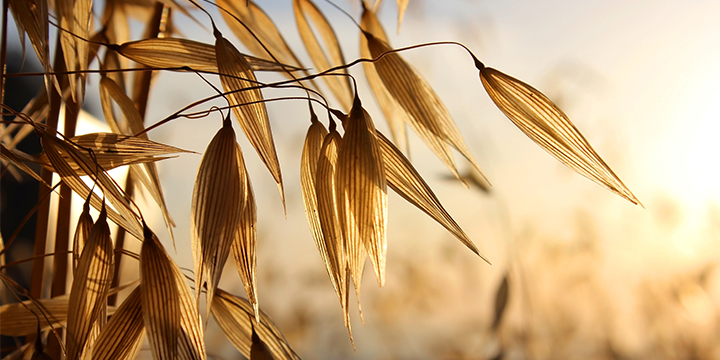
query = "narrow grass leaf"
x=236 y=75
x=408 y=183
x=235 y=317
x=394 y=114
x=245 y=243
x=123 y=335
x=323 y=60
x=547 y=125
x=218 y=200
x=362 y=192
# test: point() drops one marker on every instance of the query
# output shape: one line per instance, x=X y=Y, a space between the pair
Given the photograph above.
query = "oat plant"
x=347 y=166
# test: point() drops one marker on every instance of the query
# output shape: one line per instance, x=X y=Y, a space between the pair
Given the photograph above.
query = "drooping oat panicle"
x=245 y=243
x=82 y=232
x=123 y=215
x=21 y=319
x=172 y=52
x=90 y=287
x=362 y=193
x=235 y=75
x=547 y=125
x=408 y=183
x=123 y=335
x=133 y=124
x=235 y=317
x=333 y=245
x=323 y=60
x=218 y=202
x=394 y=114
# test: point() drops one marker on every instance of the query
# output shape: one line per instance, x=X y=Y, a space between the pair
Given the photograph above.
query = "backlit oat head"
x=219 y=197
x=533 y=113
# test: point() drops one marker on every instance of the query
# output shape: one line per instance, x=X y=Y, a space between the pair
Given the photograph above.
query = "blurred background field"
x=590 y=276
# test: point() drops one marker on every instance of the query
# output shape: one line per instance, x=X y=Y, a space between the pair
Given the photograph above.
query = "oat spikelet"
x=218 y=202
x=362 y=193
x=235 y=317
x=172 y=52
x=333 y=244
x=170 y=314
x=404 y=179
x=82 y=232
x=245 y=242
x=323 y=60
x=308 y=169
x=235 y=75
x=91 y=284
x=123 y=335
x=547 y=125
x=394 y=114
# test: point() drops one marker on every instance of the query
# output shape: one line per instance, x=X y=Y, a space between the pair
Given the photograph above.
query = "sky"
x=639 y=79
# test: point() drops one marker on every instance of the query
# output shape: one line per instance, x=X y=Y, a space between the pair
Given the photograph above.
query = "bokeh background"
x=589 y=274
